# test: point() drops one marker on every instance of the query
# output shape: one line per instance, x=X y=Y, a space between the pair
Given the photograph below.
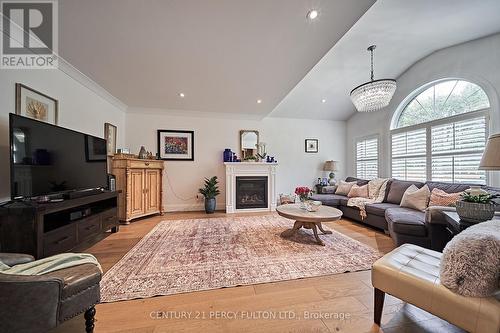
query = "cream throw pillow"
x=358 y=191
x=344 y=187
x=416 y=198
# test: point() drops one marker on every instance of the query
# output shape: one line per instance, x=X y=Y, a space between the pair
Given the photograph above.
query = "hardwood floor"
x=335 y=303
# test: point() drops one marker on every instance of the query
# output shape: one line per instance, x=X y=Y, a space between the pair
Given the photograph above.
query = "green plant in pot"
x=475 y=207
x=210 y=191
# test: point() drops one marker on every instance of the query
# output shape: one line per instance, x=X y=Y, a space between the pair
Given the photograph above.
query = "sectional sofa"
x=405 y=225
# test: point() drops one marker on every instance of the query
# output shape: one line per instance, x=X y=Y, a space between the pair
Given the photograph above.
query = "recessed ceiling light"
x=323 y=100
x=181 y=95
x=259 y=101
x=312 y=14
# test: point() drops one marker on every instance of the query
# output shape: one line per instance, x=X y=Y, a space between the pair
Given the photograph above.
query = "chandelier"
x=373 y=95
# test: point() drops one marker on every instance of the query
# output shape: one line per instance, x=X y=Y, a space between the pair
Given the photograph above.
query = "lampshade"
x=491 y=155
x=330 y=166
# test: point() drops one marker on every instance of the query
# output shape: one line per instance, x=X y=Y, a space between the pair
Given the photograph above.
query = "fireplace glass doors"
x=251 y=192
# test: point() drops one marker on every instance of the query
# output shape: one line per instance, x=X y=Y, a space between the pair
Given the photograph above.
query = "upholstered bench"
x=411 y=273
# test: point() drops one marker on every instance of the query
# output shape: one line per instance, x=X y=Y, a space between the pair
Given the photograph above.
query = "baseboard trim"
x=195 y=207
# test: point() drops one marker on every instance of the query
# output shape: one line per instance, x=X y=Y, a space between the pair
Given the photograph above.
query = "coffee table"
x=308 y=220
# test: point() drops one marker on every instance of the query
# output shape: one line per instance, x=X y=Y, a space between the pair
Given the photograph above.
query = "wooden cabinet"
x=140 y=182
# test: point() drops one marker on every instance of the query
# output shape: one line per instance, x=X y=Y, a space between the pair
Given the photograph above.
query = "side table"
x=455 y=225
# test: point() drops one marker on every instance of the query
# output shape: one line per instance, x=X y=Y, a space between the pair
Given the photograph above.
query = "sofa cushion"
x=406 y=221
x=397 y=188
x=358 y=191
x=358 y=181
x=343 y=187
x=343 y=201
x=442 y=198
x=416 y=198
x=328 y=199
x=379 y=208
x=448 y=187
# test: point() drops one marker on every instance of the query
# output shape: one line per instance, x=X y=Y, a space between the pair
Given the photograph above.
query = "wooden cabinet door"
x=152 y=191
x=136 y=192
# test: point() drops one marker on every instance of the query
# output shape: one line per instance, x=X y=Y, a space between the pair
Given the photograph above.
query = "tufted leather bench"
x=411 y=273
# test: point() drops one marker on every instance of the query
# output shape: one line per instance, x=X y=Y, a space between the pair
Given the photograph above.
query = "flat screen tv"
x=47 y=159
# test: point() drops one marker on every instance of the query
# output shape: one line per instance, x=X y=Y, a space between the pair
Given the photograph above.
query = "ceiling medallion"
x=375 y=94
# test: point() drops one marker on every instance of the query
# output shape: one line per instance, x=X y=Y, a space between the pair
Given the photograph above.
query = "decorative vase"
x=302 y=204
x=475 y=212
x=210 y=204
x=228 y=154
x=143 y=154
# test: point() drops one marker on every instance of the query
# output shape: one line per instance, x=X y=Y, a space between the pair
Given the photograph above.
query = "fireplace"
x=251 y=192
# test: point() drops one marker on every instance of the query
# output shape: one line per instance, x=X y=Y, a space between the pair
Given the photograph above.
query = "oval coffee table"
x=308 y=220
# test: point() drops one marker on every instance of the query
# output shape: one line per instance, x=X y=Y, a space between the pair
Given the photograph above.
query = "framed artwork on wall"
x=33 y=104
x=110 y=136
x=176 y=145
x=95 y=149
x=311 y=145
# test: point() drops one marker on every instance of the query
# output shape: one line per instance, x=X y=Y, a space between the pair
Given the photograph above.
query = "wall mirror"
x=248 y=143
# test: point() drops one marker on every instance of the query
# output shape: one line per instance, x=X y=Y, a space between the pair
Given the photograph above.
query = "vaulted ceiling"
x=224 y=55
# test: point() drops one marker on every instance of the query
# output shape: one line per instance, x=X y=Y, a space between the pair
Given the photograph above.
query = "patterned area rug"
x=191 y=255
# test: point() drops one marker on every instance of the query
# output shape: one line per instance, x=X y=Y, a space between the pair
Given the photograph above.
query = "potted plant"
x=303 y=192
x=210 y=191
x=476 y=207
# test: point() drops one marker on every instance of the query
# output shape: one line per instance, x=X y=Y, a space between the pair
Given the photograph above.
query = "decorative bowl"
x=312 y=205
x=475 y=212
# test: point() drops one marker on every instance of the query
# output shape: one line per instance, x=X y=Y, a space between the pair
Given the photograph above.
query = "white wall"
x=477 y=61
x=284 y=138
x=80 y=108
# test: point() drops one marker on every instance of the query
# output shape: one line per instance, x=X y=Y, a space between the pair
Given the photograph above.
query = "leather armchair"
x=38 y=303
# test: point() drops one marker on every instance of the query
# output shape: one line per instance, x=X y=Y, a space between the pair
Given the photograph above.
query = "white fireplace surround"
x=256 y=169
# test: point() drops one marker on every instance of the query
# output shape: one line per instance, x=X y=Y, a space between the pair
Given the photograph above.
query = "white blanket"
x=376 y=194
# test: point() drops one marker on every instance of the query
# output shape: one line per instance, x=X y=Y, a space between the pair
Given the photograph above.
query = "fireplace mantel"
x=241 y=169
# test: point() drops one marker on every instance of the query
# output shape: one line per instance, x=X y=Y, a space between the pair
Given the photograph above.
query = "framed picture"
x=311 y=145
x=110 y=136
x=95 y=149
x=176 y=145
x=33 y=104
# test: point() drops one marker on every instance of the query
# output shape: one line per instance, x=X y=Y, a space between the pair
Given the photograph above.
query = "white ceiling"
x=222 y=54
x=226 y=54
x=404 y=32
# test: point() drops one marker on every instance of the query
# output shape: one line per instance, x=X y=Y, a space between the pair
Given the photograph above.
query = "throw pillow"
x=441 y=198
x=344 y=187
x=358 y=191
x=416 y=198
x=470 y=265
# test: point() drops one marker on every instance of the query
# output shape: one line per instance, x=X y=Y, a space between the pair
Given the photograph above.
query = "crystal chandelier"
x=373 y=95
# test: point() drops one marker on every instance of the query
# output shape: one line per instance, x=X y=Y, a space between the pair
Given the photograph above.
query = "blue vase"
x=210 y=205
x=228 y=155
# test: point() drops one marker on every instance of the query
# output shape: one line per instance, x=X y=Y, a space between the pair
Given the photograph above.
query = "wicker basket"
x=475 y=212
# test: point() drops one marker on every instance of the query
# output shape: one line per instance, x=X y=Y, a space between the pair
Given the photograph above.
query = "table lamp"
x=330 y=166
x=491 y=155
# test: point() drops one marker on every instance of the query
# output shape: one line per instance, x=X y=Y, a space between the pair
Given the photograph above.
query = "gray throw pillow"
x=470 y=265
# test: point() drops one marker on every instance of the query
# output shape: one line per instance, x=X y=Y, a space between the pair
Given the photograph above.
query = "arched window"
x=440 y=133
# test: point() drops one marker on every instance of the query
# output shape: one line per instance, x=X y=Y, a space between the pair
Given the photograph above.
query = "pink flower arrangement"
x=303 y=192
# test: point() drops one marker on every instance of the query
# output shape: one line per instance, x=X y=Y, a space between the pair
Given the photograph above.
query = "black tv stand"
x=45 y=229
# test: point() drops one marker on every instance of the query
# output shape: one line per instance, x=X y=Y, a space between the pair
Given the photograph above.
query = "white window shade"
x=409 y=155
x=367 y=158
x=457 y=149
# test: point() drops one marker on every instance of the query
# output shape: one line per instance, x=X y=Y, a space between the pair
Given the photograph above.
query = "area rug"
x=201 y=254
